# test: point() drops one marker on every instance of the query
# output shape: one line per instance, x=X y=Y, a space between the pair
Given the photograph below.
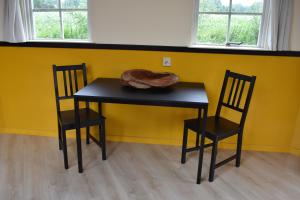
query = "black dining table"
x=110 y=90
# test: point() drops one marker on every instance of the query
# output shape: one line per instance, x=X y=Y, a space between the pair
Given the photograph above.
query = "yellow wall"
x=27 y=103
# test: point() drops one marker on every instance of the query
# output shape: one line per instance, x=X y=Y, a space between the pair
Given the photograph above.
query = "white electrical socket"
x=167 y=62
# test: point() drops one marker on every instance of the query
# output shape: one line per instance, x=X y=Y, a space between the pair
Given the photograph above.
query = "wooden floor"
x=32 y=168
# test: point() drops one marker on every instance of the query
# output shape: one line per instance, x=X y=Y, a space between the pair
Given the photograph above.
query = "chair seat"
x=216 y=128
x=88 y=117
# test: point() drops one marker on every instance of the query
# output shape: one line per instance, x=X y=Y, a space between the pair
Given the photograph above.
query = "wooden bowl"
x=143 y=79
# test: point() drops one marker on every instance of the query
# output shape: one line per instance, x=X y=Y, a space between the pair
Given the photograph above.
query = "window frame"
x=60 y=10
x=229 y=13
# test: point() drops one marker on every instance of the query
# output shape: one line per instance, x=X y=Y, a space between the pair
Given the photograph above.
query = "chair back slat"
x=65 y=83
x=230 y=94
x=236 y=91
x=76 y=82
x=241 y=94
x=69 y=81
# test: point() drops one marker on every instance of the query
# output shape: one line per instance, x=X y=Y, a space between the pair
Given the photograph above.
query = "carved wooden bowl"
x=144 y=79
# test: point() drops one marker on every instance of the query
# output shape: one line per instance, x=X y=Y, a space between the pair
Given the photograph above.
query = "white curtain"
x=276 y=25
x=17 y=27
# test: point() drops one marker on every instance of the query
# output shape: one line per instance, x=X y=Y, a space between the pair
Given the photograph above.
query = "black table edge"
x=164 y=103
x=139 y=102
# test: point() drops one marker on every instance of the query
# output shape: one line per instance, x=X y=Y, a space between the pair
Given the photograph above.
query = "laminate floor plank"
x=31 y=168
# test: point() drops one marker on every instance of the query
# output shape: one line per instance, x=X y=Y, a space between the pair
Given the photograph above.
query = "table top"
x=110 y=90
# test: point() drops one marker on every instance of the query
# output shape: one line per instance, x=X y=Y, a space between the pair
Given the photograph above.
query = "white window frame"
x=194 y=42
x=60 y=10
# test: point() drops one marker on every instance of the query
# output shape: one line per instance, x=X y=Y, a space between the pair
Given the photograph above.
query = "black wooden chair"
x=218 y=128
x=66 y=119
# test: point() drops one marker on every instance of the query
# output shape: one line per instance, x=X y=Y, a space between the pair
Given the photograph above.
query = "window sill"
x=190 y=49
x=227 y=47
x=61 y=41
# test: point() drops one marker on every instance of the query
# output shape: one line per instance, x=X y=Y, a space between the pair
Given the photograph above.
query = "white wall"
x=149 y=22
x=295 y=32
x=1 y=19
x=152 y=22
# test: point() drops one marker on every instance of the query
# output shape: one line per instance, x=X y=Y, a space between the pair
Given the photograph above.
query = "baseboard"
x=42 y=133
x=176 y=142
x=150 y=140
x=295 y=151
x=255 y=147
x=27 y=132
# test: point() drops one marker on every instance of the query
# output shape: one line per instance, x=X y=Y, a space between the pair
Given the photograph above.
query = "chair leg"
x=184 y=144
x=213 y=161
x=102 y=139
x=65 y=151
x=59 y=137
x=200 y=162
x=87 y=135
x=197 y=140
x=239 y=150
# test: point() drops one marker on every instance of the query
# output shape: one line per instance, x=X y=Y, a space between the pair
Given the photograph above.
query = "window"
x=228 y=22
x=59 y=19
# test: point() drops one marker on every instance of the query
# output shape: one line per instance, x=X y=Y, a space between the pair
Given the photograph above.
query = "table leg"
x=78 y=136
x=100 y=108
x=198 y=135
x=202 y=142
x=102 y=139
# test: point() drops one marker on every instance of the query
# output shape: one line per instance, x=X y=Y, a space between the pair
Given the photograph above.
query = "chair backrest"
x=70 y=74
x=236 y=94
